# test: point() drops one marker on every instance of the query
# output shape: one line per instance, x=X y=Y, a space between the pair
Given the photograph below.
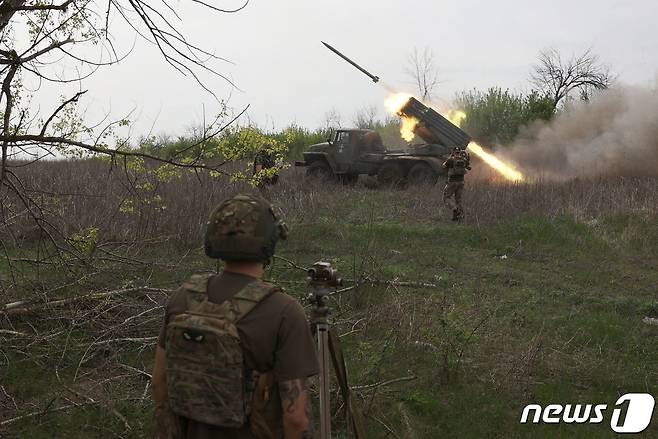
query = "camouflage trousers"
x=454 y=189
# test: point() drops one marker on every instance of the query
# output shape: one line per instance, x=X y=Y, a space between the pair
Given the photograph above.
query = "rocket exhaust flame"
x=395 y=102
x=408 y=127
x=507 y=171
x=503 y=168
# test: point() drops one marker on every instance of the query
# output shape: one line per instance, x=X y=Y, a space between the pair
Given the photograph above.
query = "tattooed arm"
x=296 y=405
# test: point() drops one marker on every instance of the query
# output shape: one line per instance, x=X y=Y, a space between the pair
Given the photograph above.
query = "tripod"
x=322 y=278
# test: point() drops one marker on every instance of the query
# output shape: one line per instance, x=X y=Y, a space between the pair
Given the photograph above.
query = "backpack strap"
x=246 y=299
x=235 y=308
x=198 y=283
x=196 y=292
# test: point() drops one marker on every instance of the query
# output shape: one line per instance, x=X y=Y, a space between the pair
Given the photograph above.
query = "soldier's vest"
x=206 y=376
x=458 y=167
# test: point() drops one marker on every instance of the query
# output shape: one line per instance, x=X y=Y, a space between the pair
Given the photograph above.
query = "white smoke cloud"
x=616 y=133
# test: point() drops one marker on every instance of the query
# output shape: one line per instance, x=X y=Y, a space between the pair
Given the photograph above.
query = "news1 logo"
x=631 y=413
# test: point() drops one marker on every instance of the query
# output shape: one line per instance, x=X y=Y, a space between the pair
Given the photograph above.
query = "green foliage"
x=496 y=116
x=85 y=241
x=299 y=138
x=231 y=144
x=242 y=143
x=390 y=132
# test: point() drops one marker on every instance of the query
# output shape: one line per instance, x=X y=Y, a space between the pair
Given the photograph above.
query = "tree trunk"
x=7 y=10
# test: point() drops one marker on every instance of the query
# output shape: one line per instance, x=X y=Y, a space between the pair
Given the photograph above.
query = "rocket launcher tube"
x=432 y=127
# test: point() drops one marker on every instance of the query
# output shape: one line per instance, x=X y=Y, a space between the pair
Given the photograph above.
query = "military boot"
x=455 y=214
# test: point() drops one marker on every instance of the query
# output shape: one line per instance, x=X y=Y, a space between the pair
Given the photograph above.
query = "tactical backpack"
x=206 y=375
x=459 y=165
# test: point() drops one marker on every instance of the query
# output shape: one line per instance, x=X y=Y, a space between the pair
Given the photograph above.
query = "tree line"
x=493 y=116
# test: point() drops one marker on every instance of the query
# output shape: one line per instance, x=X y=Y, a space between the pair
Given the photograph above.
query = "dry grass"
x=76 y=196
x=507 y=330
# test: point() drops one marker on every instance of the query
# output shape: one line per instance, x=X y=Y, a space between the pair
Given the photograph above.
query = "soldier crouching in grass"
x=458 y=164
x=234 y=352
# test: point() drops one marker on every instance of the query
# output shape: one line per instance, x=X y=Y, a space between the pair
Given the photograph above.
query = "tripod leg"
x=325 y=401
x=356 y=418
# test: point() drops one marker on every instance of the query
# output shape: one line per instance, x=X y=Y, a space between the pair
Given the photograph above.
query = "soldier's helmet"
x=243 y=228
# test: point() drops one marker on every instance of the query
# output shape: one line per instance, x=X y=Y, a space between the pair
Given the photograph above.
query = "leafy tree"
x=40 y=41
x=495 y=116
x=57 y=42
x=297 y=139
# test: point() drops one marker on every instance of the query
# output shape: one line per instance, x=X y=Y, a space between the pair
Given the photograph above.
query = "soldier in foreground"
x=234 y=352
x=458 y=164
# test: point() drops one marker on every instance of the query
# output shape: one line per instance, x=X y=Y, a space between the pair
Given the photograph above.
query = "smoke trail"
x=614 y=134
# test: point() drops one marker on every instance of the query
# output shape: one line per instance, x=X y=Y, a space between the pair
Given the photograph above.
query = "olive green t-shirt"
x=275 y=336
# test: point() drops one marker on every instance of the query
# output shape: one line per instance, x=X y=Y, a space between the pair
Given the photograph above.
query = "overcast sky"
x=286 y=75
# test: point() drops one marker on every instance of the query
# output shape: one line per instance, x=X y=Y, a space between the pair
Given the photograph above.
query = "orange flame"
x=503 y=168
x=396 y=101
x=408 y=127
x=393 y=104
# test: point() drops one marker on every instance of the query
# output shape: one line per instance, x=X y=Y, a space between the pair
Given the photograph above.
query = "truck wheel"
x=319 y=170
x=422 y=173
x=391 y=174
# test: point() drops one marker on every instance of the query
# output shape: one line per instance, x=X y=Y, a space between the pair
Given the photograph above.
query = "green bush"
x=298 y=139
x=496 y=116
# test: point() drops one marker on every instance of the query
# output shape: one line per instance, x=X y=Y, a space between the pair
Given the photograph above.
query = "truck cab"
x=347 y=152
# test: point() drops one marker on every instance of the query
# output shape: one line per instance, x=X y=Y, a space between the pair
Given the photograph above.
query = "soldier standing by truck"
x=234 y=352
x=457 y=165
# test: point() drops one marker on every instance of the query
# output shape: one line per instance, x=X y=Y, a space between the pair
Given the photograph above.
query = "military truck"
x=353 y=152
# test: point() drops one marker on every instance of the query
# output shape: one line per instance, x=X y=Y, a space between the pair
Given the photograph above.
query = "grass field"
x=539 y=297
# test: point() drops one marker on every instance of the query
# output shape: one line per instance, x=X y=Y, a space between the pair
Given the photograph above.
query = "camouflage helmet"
x=243 y=228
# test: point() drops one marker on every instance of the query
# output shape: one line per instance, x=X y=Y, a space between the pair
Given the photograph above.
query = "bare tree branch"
x=7 y=10
x=47 y=49
x=228 y=11
x=38 y=7
x=422 y=69
x=558 y=78
x=60 y=108
x=107 y=151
